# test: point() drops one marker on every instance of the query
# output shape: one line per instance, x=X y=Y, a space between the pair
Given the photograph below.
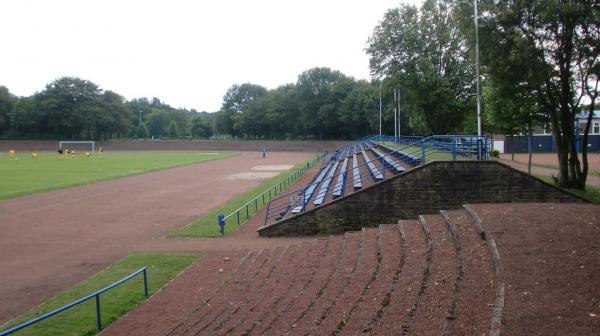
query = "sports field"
x=26 y=175
x=52 y=240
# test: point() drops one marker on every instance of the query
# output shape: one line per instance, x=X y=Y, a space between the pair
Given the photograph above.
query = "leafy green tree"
x=553 y=47
x=422 y=52
x=157 y=122
x=113 y=118
x=282 y=112
x=7 y=104
x=68 y=107
x=173 y=130
x=223 y=122
x=320 y=92
x=142 y=131
x=360 y=110
x=201 y=127
x=23 y=118
x=238 y=101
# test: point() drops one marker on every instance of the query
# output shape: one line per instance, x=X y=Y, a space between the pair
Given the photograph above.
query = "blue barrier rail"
x=95 y=295
x=409 y=151
x=259 y=201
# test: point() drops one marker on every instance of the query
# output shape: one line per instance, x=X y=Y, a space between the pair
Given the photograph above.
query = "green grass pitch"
x=25 y=175
x=81 y=320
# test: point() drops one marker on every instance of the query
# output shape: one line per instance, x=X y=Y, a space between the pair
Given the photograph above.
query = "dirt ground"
x=551 y=262
x=592 y=179
x=547 y=159
x=50 y=241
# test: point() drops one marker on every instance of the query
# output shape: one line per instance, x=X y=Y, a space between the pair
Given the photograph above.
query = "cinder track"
x=50 y=241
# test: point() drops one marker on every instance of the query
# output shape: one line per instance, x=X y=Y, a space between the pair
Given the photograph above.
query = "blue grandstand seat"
x=356 y=179
x=406 y=157
x=320 y=197
x=338 y=189
x=377 y=175
x=396 y=167
x=311 y=188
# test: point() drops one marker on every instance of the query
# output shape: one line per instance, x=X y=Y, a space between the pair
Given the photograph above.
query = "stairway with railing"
x=372 y=160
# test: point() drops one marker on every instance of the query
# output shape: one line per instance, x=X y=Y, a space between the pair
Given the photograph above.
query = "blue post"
x=238 y=217
x=269 y=195
x=247 y=212
x=256 y=204
x=98 y=318
x=145 y=283
x=454 y=147
x=221 y=221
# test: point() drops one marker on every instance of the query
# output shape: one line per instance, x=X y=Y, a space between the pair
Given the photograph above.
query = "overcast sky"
x=187 y=53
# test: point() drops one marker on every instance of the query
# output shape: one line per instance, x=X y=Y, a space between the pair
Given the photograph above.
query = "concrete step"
x=394 y=316
x=377 y=290
x=334 y=287
x=476 y=290
x=437 y=292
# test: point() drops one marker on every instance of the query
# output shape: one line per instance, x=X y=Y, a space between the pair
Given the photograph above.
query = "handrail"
x=421 y=149
x=95 y=294
x=272 y=191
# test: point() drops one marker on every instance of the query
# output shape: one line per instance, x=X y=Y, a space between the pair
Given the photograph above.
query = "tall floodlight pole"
x=395 y=116
x=399 y=116
x=380 y=109
x=140 y=118
x=477 y=67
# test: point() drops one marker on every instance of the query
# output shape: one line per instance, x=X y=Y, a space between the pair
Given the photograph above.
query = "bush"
x=496 y=153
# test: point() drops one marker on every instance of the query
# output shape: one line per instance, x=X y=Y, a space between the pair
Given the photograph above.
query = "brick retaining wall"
x=425 y=190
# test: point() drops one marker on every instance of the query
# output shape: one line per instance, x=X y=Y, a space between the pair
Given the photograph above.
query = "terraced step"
x=156 y=316
x=377 y=290
x=229 y=291
x=395 y=315
x=295 y=310
x=476 y=291
x=297 y=283
x=332 y=288
x=437 y=295
x=432 y=276
x=340 y=311
x=274 y=288
x=262 y=288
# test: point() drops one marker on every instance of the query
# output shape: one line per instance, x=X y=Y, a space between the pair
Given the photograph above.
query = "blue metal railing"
x=412 y=151
x=84 y=299
x=255 y=205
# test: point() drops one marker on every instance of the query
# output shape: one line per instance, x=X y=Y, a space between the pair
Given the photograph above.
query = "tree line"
x=322 y=104
x=539 y=67
x=73 y=108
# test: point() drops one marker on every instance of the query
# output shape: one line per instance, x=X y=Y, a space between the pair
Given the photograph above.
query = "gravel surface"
x=51 y=241
x=405 y=291
x=551 y=259
x=430 y=316
x=476 y=291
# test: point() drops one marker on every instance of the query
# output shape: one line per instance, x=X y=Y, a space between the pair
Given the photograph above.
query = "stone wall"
x=424 y=190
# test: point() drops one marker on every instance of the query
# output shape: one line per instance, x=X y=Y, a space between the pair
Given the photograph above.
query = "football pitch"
x=25 y=175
